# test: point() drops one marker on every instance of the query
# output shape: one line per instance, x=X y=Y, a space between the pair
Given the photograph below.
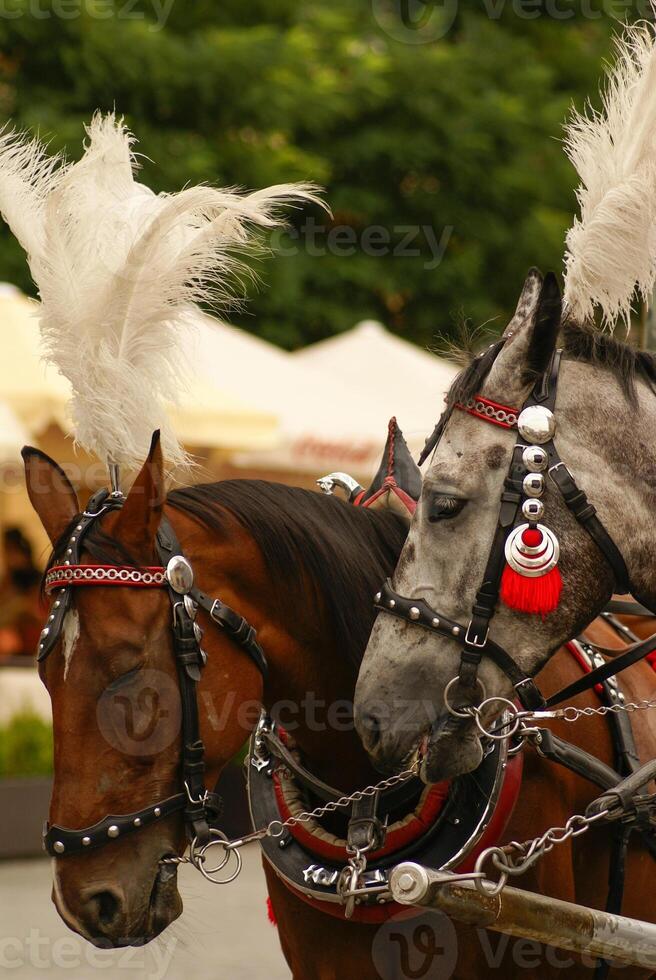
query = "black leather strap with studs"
x=98 y=504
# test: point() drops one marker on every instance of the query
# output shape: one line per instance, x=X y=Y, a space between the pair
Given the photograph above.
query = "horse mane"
x=345 y=552
x=627 y=363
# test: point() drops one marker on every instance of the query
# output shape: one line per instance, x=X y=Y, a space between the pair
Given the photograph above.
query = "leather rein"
x=199 y=807
x=474 y=638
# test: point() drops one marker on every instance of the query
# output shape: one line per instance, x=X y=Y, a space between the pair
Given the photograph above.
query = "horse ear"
x=137 y=522
x=50 y=491
x=530 y=339
x=397 y=484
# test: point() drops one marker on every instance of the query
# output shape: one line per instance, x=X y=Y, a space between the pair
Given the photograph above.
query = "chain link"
x=516 y=724
x=515 y=859
x=343 y=801
x=573 y=714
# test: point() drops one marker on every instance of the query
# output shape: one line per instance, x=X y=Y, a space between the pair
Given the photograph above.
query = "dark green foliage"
x=460 y=132
x=25 y=746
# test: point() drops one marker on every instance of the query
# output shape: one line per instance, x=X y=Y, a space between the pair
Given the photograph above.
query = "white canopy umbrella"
x=326 y=421
x=13 y=435
x=334 y=415
x=401 y=378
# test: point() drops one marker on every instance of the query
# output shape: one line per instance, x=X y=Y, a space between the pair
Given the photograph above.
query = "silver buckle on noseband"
x=479 y=644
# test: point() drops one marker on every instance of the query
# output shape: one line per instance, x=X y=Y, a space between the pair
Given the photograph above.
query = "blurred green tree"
x=437 y=138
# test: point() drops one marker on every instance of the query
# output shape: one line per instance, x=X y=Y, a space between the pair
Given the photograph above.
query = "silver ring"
x=462 y=712
x=198 y=856
x=509 y=728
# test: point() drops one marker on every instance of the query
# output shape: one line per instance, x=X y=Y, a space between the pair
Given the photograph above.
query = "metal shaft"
x=526 y=915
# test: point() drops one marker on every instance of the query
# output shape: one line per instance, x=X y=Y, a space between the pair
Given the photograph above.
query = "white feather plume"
x=26 y=170
x=119 y=269
x=611 y=249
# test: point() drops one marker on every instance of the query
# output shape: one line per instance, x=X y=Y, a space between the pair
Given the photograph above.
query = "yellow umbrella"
x=34 y=391
x=207 y=416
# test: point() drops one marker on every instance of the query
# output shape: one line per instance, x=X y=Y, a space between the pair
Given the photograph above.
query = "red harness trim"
x=583 y=664
x=493 y=833
x=389 y=486
x=395 y=839
x=489 y=411
x=61 y=576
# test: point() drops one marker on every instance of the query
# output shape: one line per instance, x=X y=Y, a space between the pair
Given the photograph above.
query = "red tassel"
x=538 y=596
x=271 y=915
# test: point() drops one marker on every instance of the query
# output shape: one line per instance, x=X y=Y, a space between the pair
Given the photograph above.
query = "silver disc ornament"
x=536 y=424
x=532 y=561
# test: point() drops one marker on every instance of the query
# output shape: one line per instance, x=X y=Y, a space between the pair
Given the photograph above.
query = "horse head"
x=603 y=409
x=116 y=706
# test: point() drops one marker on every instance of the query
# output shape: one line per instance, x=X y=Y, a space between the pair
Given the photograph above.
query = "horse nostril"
x=370 y=731
x=107 y=907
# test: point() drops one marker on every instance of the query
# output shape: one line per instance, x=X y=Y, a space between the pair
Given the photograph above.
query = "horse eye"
x=442 y=507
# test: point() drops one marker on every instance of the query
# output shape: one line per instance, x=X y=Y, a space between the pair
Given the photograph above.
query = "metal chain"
x=516 y=723
x=515 y=859
x=573 y=714
x=276 y=828
x=333 y=805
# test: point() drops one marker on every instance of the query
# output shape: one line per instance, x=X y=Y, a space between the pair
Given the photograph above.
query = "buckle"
x=557 y=466
x=215 y=617
x=201 y=801
x=476 y=643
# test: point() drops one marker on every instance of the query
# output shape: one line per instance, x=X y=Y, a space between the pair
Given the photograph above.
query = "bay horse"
x=604 y=411
x=301 y=567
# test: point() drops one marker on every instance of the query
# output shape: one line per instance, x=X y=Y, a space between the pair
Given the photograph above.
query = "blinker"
x=179 y=575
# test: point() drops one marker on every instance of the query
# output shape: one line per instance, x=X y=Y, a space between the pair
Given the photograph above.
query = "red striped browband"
x=60 y=576
x=491 y=411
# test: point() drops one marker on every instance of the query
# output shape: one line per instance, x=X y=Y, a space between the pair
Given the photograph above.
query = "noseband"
x=474 y=638
x=199 y=807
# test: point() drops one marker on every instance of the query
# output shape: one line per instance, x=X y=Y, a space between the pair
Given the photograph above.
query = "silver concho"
x=536 y=424
x=535 y=459
x=179 y=574
x=532 y=561
x=533 y=510
x=533 y=485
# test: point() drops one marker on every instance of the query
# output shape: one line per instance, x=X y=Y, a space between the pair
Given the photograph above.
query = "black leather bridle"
x=198 y=806
x=474 y=638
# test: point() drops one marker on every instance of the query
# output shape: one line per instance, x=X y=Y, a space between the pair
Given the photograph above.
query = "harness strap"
x=576 y=759
x=635 y=653
x=586 y=514
x=616 y=879
x=235 y=626
x=62 y=841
